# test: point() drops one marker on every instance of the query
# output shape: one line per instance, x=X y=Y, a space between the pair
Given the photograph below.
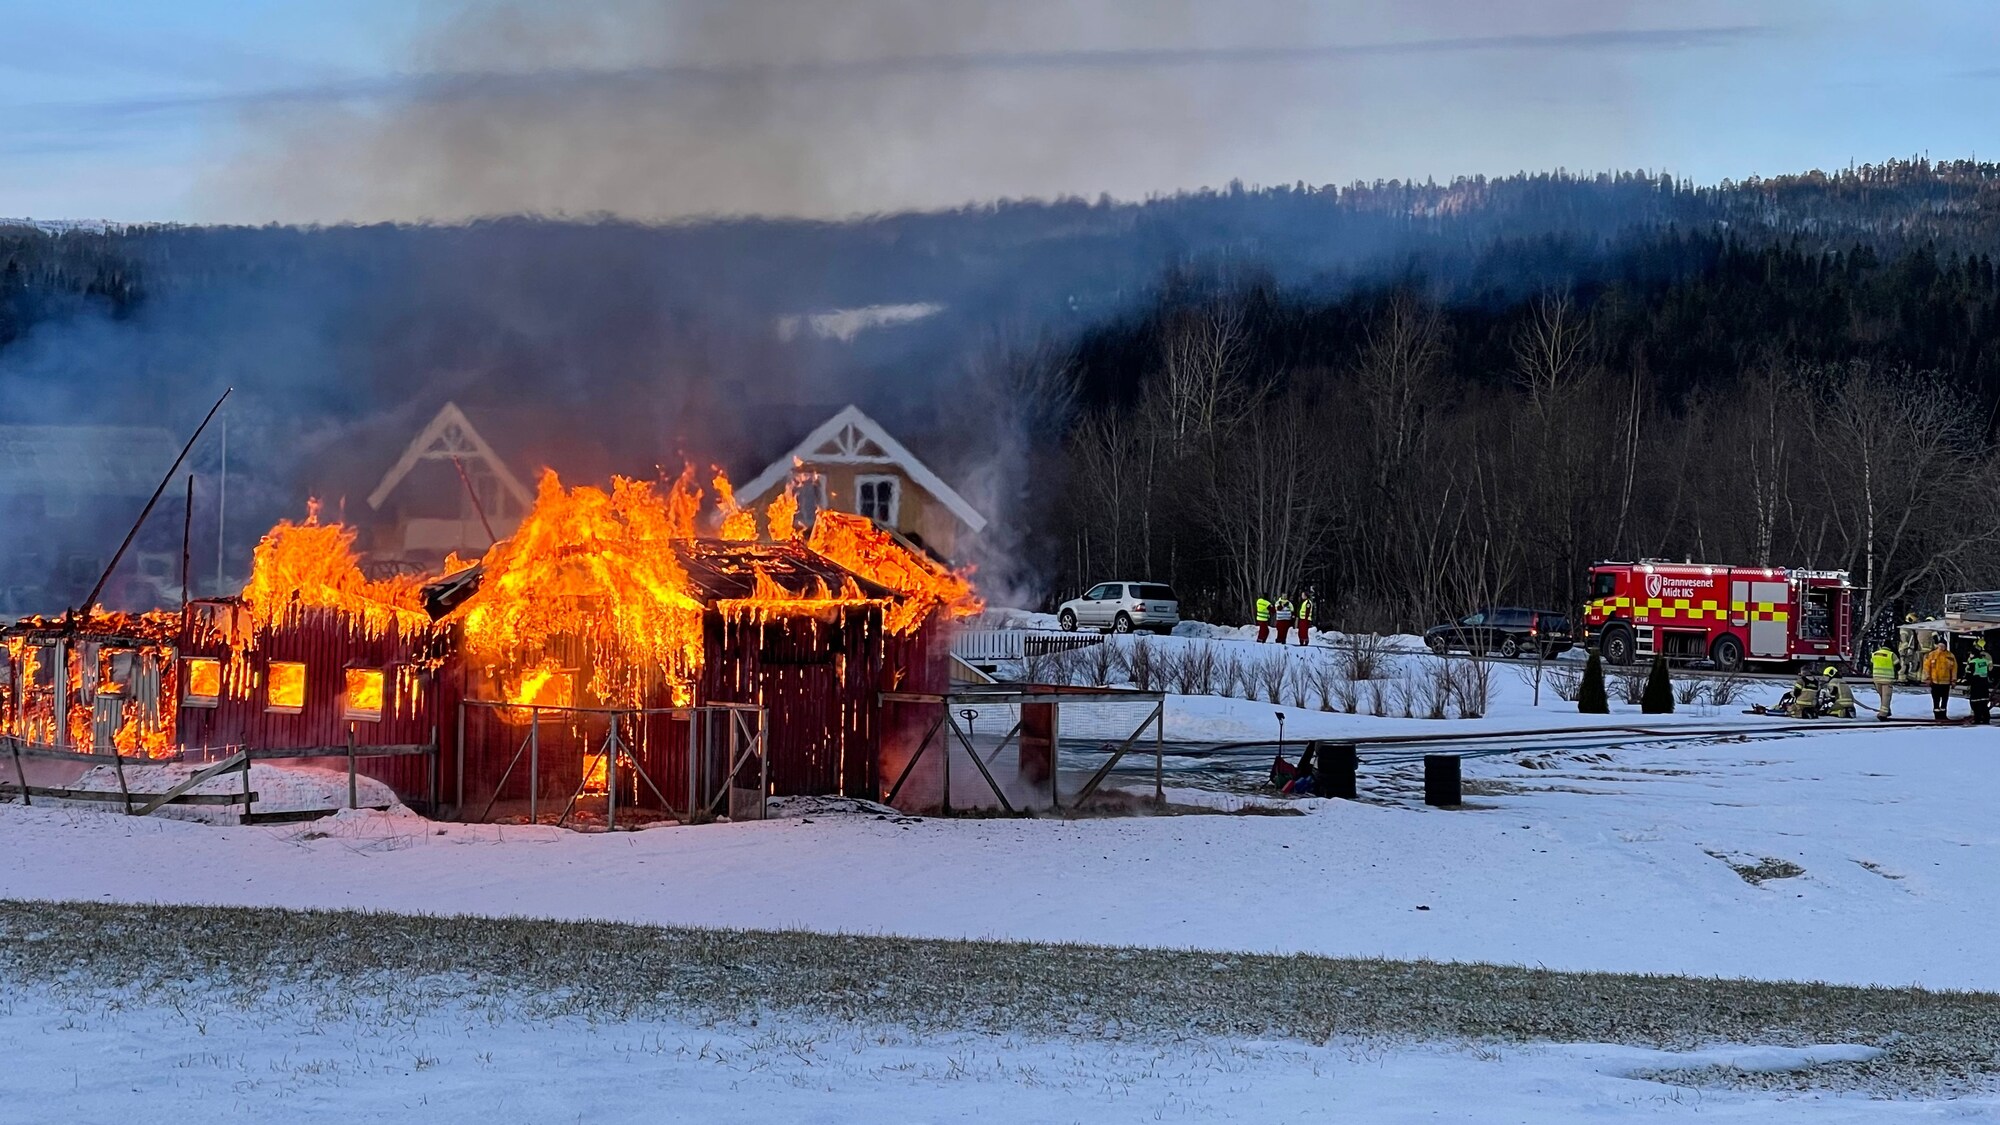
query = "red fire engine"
x=1727 y=614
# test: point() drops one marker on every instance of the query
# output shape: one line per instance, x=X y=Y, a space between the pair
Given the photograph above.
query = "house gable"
x=853 y=438
x=450 y=436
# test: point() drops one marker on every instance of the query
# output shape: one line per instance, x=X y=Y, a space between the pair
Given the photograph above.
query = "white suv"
x=1121 y=607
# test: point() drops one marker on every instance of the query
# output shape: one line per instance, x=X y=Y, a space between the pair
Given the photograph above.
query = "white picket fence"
x=988 y=646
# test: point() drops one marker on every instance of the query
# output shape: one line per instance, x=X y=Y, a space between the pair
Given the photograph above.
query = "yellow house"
x=851 y=464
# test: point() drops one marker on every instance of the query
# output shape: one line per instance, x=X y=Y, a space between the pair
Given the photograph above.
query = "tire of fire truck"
x=1509 y=647
x=1727 y=653
x=1615 y=645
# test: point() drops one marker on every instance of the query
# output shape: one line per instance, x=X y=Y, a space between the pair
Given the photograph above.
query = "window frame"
x=894 y=508
x=274 y=707
x=347 y=709
x=188 y=697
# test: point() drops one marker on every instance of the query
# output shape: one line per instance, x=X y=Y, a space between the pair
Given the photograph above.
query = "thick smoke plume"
x=655 y=109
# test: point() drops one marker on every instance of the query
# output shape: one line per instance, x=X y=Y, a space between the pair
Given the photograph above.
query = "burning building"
x=632 y=646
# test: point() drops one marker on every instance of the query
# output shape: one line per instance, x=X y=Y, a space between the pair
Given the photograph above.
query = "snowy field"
x=1863 y=856
x=75 y=1062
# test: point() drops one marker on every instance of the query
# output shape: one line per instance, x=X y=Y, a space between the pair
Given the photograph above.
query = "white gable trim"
x=853 y=438
x=450 y=435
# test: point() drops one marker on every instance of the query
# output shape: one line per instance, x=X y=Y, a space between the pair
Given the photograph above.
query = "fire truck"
x=1730 y=615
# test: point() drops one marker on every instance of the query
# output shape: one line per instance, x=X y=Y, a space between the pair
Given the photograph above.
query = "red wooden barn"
x=320 y=678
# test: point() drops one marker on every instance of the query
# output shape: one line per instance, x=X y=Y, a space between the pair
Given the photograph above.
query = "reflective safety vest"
x=1263 y=609
x=1284 y=609
x=1305 y=609
x=1883 y=663
x=1979 y=665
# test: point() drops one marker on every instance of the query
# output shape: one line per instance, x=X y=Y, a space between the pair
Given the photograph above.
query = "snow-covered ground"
x=1566 y=863
x=278 y=788
x=286 y=1061
x=1863 y=854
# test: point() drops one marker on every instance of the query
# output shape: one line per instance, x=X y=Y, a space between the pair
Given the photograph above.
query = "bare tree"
x=1204 y=355
x=1899 y=458
x=1551 y=351
x=1396 y=377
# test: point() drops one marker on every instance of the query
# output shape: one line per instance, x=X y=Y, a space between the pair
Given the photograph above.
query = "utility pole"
x=221 y=506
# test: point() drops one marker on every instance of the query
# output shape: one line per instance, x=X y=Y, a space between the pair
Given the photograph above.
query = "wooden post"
x=1159 y=753
x=611 y=776
x=1441 y=780
x=59 y=653
x=1338 y=763
x=246 y=784
x=19 y=773
x=534 y=759
x=118 y=767
x=459 y=752
x=187 y=532
x=351 y=795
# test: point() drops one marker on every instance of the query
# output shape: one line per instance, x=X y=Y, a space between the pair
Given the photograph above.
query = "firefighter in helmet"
x=1835 y=698
x=1802 y=702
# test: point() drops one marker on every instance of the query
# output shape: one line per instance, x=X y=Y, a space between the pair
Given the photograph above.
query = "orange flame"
x=739 y=524
x=782 y=516
x=312 y=565
x=594 y=567
x=856 y=543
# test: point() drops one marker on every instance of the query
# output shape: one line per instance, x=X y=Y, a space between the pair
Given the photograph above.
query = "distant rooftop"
x=92 y=460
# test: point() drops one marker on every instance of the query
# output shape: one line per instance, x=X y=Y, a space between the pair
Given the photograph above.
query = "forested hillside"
x=1412 y=396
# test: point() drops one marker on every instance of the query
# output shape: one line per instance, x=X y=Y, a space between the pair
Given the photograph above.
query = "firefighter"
x=1940 y=672
x=1979 y=683
x=1305 y=612
x=1282 y=612
x=1263 y=618
x=1835 y=697
x=1882 y=669
x=1802 y=702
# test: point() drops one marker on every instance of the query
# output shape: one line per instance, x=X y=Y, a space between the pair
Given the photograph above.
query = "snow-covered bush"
x=1379 y=697
x=1100 y=664
x=1472 y=687
x=1044 y=667
x=1727 y=690
x=1366 y=657
x=1630 y=683
x=1230 y=677
x=1691 y=690
x=1142 y=664
x=1434 y=687
x=1269 y=672
x=1299 y=683
x=1566 y=681
x=1345 y=685
x=1191 y=670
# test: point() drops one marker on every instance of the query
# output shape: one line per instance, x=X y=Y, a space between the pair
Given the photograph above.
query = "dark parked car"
x=1507 y=630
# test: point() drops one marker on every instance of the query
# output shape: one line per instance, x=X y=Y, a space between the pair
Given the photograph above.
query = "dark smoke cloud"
x=672 y=108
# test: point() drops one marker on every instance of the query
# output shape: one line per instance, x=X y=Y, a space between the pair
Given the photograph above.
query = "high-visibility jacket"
x=1940 y=666
x=1305 y=609
x=1883 y=663
x=1263 y=609
x=1284 y=609
x=1979 y=665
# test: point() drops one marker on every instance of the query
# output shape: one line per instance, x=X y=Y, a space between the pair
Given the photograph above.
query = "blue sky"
x=203 y=110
